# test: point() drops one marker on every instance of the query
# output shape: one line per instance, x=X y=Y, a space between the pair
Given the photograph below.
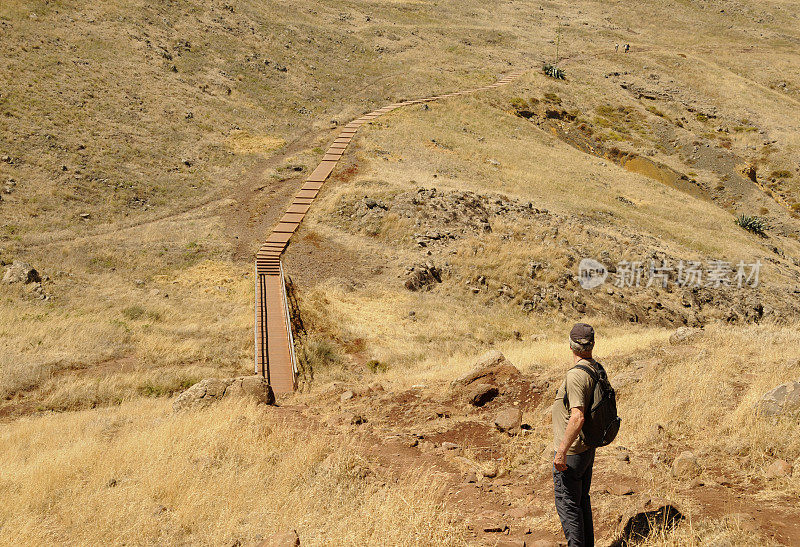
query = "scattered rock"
x=686 y=466
x=519 y=512
x=447 y=445
x=480 y=394
x=621 y=489
x=423 y=277
x=491 y=526
x=684 y=334
x=489 y=469
x=778 y=469
x=782 y=399
x=346 y=396
x=210 y=390
x=509 y=420
x=696 y=483
x=282 y=539
x=21 y=272
x=623 y=456
x=358 y=419
x=427 y=446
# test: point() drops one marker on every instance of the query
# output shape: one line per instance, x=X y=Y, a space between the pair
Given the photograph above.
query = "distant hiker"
x=627 y=48
x=584 y=417
x=616 y=48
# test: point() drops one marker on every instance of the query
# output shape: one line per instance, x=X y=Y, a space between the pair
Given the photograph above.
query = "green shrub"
x=375 y=366
x=552 y=98
x=781 y=174
x=152 y=388
x=136 y=312
x=754 y=224
x=318 y=353
x=518 y=103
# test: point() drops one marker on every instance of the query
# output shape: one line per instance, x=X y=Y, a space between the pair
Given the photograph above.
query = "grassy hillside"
x=146 y=149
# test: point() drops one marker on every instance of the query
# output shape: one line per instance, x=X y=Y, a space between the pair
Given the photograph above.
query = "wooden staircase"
x=275 y=357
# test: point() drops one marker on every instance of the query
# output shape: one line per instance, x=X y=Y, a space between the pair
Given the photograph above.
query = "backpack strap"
x=590 y=371
x=592 y=374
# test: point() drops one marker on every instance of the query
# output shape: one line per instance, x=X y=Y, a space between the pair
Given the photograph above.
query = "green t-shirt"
x=578 y=385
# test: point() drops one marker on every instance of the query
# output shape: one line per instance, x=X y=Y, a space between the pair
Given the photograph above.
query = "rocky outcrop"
x=492 y=366
x=422 y=277
x=784 y=398
x=21 y=272
x=210 y=390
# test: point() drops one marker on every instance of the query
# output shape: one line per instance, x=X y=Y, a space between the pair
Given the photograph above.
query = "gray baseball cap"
x=582 y=334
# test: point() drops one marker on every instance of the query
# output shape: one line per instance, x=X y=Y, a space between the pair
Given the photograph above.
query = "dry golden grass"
x=143 y=475
x=159 y=159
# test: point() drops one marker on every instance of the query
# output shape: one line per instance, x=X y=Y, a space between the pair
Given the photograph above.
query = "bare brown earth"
x=503 y=483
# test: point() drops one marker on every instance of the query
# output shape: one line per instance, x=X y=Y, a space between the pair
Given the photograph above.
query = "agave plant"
x=553 y=71
x=756 y=225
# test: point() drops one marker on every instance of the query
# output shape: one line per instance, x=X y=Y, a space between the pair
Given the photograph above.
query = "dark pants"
x=572 y=499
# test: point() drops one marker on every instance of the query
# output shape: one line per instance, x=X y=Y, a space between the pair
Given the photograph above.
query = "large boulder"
x=509 y=420
x=492 y=365
x=782 y=399
x=21 y=272
x=210 y=390
x=653 y=517
x=778 y=469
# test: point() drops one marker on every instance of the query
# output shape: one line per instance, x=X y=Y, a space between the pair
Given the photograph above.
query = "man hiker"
x=572 y=464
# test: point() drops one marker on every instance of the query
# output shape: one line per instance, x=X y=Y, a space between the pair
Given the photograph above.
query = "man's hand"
x=560 y=461
x=574 y=426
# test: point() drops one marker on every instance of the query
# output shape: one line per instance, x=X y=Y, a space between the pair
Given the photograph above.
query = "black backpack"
x=601 y=423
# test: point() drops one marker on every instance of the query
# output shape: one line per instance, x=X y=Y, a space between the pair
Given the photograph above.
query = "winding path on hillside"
x=274 y=347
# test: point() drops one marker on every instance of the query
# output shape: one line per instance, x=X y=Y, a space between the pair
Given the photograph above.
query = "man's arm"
x=574 y=426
